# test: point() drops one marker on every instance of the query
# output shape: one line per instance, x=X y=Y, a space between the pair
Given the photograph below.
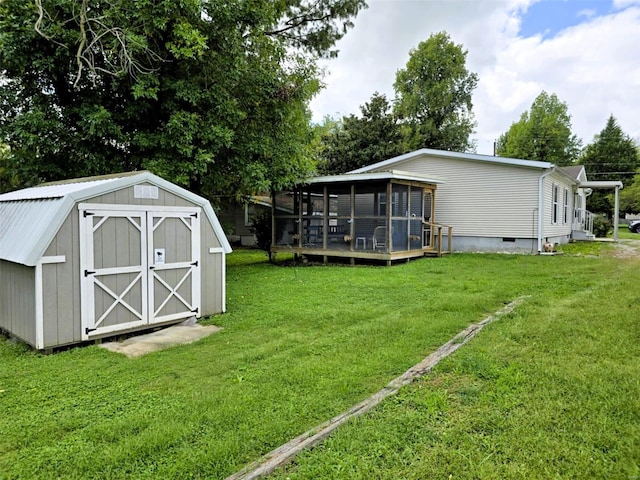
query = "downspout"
x=541 y=206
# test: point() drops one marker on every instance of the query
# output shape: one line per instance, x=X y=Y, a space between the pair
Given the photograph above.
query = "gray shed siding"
x=61 y=286
x=17 y=300
x=482 y=199
x=125 y=196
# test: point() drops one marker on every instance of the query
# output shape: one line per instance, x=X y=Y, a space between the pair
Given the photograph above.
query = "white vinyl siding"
x=482 y=199
x=559 y=228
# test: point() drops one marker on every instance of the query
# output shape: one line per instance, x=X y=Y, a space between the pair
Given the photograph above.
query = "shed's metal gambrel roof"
x=30 y=218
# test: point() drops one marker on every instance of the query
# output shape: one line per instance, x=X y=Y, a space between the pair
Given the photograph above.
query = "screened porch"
x=379 y=216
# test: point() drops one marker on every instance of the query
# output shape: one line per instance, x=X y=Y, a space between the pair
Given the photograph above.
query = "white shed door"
x=137 y=267
x=174 y=265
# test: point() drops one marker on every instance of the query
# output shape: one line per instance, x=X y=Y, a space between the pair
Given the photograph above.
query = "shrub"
x=261 y=228
x=601 y=226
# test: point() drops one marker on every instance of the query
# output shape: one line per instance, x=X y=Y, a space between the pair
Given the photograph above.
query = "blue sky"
x=584 y=51
x=550 y=17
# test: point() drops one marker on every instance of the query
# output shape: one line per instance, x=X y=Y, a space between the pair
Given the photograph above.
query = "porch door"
x=174 y=265
x=138 y=267
x=113 y=286
x=427 y=213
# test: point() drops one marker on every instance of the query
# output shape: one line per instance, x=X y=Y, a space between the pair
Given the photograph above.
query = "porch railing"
x=433 y=236
x=583 y=221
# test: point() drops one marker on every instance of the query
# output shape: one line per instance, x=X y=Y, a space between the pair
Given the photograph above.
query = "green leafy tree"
x=542 y=134
x=8 y=181
x=433 y=96
x=212 y=95
x=358 y=141
x=630 y=196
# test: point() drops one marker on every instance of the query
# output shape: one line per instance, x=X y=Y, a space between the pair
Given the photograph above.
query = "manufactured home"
x=496 y=204
x=89 y=258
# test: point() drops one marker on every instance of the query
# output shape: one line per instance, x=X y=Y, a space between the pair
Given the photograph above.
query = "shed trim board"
x=39 y=296
x=223 y=260
x=148 y=269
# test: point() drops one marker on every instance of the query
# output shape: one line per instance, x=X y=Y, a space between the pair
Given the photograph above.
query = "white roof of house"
x=30 y=218
x=385 y=164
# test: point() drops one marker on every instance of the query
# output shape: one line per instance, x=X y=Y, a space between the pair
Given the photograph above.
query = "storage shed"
x=94 y=257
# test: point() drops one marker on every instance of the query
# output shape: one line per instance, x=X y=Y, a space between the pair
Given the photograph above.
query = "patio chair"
x=379 y=239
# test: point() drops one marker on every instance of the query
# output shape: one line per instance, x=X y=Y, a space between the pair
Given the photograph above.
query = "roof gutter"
x=541 y=205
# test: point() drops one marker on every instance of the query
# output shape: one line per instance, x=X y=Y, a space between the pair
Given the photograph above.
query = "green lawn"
x=626 y=234
x=549 y=391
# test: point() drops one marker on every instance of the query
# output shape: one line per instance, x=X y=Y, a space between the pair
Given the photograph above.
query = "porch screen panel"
x=428 y=206
x=338 y=229
x=399 y=218
x=286 y=207
x=286 y=229
x=415 y=222
x=312 y=216
x=370 y=216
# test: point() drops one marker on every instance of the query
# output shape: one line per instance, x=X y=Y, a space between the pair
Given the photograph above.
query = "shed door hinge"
x=195 y=264
x=88 y=330
x=88 y=272
x=195 y=215
x=86 y=214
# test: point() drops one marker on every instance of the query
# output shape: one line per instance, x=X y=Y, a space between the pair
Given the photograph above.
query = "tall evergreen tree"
x=433 y=96
x=612 y=155
x=543 y=134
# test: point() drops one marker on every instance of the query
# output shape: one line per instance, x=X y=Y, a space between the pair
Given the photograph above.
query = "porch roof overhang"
x=373 y=176
x=601 y=184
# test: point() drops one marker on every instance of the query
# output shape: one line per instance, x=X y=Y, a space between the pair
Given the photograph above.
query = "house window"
x=555 y=205
x=565 y=206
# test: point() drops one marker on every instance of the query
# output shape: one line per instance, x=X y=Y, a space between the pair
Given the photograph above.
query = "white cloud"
x=592 y=66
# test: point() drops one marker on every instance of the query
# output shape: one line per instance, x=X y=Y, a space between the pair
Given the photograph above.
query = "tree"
x=612 y=155
x=211 y=95
x=8 y=181
x=630 y=196
x=358 y=141
x=433 y=96
x=542 y=134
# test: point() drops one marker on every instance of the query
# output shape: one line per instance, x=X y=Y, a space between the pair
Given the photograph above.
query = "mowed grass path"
x=536 y=394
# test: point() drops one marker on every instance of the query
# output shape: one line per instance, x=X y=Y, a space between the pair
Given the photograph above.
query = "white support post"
x=616 y=214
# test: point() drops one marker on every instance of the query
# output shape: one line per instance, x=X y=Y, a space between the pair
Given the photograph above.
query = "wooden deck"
x=359 y=254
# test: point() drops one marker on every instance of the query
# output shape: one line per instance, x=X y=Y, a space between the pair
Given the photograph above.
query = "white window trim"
x=555 y=203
